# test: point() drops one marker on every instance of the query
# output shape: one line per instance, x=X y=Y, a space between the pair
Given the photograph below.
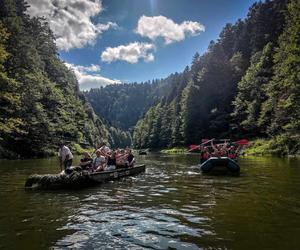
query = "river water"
x=171 y=206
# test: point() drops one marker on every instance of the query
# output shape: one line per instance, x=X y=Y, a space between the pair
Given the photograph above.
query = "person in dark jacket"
x=86 y=162
x=130 y=159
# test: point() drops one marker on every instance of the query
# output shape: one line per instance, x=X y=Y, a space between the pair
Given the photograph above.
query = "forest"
x=40 y=101
x=246 y=85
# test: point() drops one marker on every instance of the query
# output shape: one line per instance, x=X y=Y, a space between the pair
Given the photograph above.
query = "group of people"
x=219 y=150
x=105 y=159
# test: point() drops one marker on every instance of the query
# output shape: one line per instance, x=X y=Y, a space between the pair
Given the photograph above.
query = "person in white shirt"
x=65 y=156
x=105 y=150
x=99 y=162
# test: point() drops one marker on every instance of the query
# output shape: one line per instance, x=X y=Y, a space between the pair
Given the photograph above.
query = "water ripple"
x=171 y=206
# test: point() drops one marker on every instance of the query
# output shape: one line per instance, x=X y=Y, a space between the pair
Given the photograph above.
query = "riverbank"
x=278 y=146
x=176 y=150
x=282 y=145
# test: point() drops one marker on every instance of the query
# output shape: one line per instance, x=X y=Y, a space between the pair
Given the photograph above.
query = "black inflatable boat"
x=219 y=166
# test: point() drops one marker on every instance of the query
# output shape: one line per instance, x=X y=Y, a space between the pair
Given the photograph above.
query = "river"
x=171 y=206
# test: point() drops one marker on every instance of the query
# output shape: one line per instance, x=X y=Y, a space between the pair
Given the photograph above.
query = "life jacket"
x=205 y=155
x=232 y=155
x=218 y=154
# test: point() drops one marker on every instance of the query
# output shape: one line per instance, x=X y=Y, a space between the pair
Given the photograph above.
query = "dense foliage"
x=246 y=84
x=124 y=104
x=273 y=101
x=121 y=104
x=40 y=103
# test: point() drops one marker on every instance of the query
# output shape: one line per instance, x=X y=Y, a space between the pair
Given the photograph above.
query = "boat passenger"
x=205 y=155
x=111 y=162
x=65 y=156
x=238 y=149
x=99 y=162
x=86 y=163
x=130 y=159
x=105 y=150
x=232 y=153
x=219 y=150
x=224 y=149
x=121 y=158
x=216 y=150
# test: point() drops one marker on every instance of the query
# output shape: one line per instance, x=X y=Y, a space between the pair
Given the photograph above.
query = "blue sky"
x=118 y=20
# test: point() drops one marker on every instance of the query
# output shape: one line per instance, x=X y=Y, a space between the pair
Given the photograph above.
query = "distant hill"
x=124 y=104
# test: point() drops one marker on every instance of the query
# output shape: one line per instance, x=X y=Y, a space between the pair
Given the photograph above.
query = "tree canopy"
x=40 y=99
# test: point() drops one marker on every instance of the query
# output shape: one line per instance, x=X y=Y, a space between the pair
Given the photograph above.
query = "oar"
x=242 y=142
x=193 y=147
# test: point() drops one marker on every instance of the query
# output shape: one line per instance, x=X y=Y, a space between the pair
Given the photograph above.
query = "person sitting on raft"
x=216 y=151
x=105 y=150
x=219 y=150
x=130 y=159
x=233 y=152
x=99 y=162
x=86 y=163
x=111 y=162
x=65 y=156
x=205 y=155
x=121 y=158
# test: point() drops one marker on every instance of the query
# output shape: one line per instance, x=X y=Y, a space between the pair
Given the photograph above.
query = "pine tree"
x=284 y=90
x=251 y=93
x=9 y=97
x=39 y=95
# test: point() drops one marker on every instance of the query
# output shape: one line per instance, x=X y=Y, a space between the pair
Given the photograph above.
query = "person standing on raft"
x=65 y=156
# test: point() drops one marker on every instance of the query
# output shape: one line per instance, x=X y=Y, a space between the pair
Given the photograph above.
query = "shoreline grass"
x=282 y=145
x=175 y=150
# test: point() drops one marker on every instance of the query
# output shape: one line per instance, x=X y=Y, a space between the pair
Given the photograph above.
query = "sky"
x=121 y=41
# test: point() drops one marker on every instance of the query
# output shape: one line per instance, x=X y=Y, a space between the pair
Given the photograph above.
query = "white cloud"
x=70 y=20
x=130 y=53
x=103 y=27
x=93 y=80
x=160 y=26
x=85 y=69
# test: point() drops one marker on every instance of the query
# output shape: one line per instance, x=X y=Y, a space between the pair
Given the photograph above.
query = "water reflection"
x=171 y=206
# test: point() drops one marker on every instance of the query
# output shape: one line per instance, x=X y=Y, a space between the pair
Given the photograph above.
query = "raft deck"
x=79 y=179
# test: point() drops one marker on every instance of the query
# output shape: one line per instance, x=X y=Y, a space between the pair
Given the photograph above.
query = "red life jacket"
x=205 y=155
x=232 y=155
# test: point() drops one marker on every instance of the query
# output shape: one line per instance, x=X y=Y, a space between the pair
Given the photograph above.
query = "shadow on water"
x=171 y=206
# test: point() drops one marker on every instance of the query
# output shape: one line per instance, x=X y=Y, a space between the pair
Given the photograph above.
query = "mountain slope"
x=245 y=85
x=40 y=101
x=124 y=104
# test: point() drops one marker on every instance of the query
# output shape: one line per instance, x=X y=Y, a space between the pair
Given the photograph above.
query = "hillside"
x=124 y=104
x=245 y=85
x=40 y=102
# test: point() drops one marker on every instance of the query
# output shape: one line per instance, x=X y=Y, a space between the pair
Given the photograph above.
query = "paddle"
x=204 y=141
x=242 y=142
x=193 y=147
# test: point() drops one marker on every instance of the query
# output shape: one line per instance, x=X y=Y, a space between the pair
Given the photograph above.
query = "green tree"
x=252 y=93
x=9 y=97
x=284 y=90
